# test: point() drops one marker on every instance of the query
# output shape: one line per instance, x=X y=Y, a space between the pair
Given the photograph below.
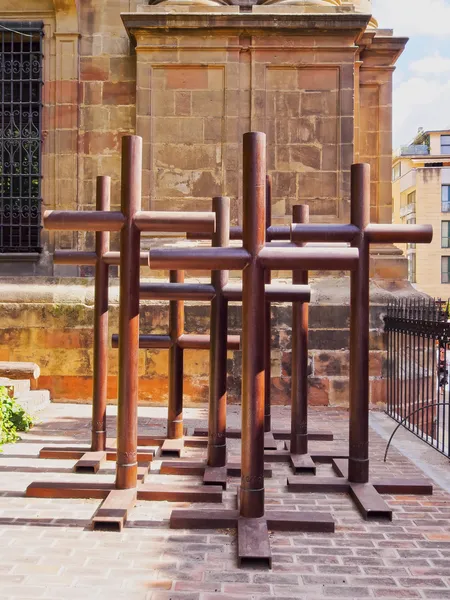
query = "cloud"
x=435 y=64
x=420 y=102
x=414 y=17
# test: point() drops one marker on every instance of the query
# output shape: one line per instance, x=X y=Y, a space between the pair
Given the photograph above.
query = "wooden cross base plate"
x=113 y=512
x=303 y=463
x=89 y=461
x=366 y=496
x=173 y=447
x=270 y=437
x=253 y=534
x=211 y=475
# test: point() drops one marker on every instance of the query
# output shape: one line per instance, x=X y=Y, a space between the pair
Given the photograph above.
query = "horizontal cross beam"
x=186 y=341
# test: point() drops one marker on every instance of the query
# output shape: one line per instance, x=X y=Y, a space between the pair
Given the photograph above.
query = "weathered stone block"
x=94 y=68
x=186 y=78
x=121 y=92
x=319 y=78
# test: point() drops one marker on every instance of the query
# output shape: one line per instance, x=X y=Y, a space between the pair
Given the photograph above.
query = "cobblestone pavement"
x=47 y=549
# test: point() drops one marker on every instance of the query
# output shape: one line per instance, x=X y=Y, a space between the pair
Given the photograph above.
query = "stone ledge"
x=330 y=22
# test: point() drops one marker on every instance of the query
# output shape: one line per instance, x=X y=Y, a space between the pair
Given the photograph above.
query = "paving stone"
x=47 y=550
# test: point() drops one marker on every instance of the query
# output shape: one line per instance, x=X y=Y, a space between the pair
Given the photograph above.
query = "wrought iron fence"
x=20 y=135
x=418 y=338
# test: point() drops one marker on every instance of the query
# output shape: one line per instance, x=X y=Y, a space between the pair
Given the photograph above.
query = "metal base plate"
x=77 y=453
x=253 y=534
x=365 y=495
x=321 y=456
x=253 y=541
x=278 y=434
x=166 y=493
x=269 y=441
x=187 y=467
x=113 y=513
x=302 y=463
x=90 y=462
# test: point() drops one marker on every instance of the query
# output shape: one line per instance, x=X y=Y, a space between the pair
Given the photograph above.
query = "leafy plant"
x=13 y=418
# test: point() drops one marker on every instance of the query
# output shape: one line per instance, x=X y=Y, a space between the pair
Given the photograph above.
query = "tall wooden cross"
x=130 y=221
x=253 y=259
x=354 y=473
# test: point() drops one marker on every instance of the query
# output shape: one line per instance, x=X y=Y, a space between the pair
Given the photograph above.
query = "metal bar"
x=275 y=292
x=359 y=330
x=126 y=472
x=267 y=318
x=299 y=377
x=176 y=329
x=235 y=234
x=93 y=220
x=157 y=342
x=338 y=259
x=318 y=232
x=278 y=233
x=191 y=341
x=199 y=292
x=399 y=234
x=198 y=258
x=175 y=222
x=100 y=374
x=217 y=411
x=252 y=453
x=113 y=259
x=74 y=257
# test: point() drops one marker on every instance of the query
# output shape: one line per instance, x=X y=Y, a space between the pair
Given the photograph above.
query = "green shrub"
x=13 y=418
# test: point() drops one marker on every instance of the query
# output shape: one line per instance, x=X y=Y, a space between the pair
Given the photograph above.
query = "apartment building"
x=421 y=194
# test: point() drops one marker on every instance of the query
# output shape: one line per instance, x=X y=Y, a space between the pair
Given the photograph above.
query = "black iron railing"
x=418 y=338
x=20 y=135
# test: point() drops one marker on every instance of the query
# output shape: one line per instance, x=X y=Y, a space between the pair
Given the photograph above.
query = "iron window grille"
x=21 y=79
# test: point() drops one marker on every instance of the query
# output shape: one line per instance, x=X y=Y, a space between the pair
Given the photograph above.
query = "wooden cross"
x=234 y=292
x=216 y=468
x=130 y=221
x=253 y=259
x=89 y=460
x=354 y=473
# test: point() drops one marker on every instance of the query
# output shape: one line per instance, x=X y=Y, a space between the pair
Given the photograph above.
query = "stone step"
x=19 y=386
x=34 y=400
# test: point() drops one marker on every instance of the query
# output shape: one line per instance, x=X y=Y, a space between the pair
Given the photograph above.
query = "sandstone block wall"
x=54 y=329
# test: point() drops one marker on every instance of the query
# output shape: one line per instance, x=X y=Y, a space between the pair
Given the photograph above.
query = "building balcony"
x=408 y=210
x=414 y=150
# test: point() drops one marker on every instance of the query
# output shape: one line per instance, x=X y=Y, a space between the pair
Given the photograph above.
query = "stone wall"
x=52 y=326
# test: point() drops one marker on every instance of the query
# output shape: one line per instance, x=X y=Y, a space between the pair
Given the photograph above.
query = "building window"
x=397 y=171
x=20 y=136
x=412 y=267
x=411 y=198
x=445 y=203
x=445 y=144
x=411 y=221
x=445 y=229
x=445 y=269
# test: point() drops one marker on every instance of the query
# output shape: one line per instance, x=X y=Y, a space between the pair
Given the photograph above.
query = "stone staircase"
x=22 y=380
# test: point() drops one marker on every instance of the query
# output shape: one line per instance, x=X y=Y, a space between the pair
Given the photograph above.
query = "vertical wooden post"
x=254 y=192
x=131 y=189
x=359 y=329
x=176 y=329
x=267 y=319
x=217 y=421
x=299 y=380
x=100 y=375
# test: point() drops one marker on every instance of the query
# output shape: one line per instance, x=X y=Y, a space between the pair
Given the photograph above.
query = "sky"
x=422 y=76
